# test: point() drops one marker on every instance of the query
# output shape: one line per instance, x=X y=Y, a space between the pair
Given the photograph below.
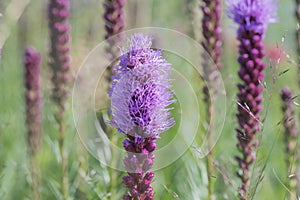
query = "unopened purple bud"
x=127 y=197
x=128 y=146
x=128 y=181
x=151 y=146
x=149 y=176
x=134 y=193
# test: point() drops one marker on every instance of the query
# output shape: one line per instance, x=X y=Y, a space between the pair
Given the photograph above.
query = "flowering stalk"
x=290 y=138
x=58 y=13
x=212 y=42
x=252 y=16
x=32 y=61
x=139 y=99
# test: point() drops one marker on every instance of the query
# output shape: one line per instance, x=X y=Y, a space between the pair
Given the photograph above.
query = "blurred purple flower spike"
x=32 y=60
x=58 y=13
x=291 y=140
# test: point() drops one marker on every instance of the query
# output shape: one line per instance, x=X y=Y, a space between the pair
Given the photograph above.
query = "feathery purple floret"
x=253 y=16
x=58 y=13
x=139 y=99
x=140 y=91
x=290 y=139
x=32 y=61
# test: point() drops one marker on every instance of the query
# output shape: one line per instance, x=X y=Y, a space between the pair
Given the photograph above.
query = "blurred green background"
x=186 y=179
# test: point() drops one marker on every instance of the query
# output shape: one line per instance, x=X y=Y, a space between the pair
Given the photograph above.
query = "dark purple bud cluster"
x=32 y=62
x=212 y=31
x=290 y=139
x=114 y=24
x=58 y=13
x=212 y=44
x=139 y=160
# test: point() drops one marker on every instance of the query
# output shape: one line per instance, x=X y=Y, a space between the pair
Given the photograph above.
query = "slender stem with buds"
x=58 y=14
x=212 y=42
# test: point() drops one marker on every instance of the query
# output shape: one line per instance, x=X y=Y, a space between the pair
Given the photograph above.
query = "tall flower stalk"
x=212 y=43
x=139 y=99
x=290 y=139
x=32 y=60
x=252 y=16
x=58 y=14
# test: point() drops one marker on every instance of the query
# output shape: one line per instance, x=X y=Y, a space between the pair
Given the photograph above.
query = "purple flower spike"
x=252 y=16
x=139 y=99
x=58 y=13
x=290 y=139
x=32 y=62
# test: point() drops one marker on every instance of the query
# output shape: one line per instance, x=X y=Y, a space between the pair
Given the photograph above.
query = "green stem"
x=35 y=178
x=64 y=162
x=112 y=171
x=210 y=156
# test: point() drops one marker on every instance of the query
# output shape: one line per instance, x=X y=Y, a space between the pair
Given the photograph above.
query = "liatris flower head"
x=139 y=99
x=32 y=61
x=140 y=92
x=252 y=15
